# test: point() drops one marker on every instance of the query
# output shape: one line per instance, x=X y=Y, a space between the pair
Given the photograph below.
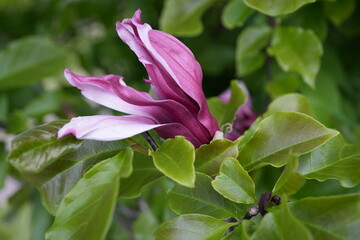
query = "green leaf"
x=292 y=102
x=54 y=166
x=283 y=83
x=183 y=17
x=327 y=93
x=208 y=157
x=39 y=147
x=235 y=14
x=240 y=232
x=313 y=17
x=202 y=199
x=175 y=159
x=28 y=60
x=86 y=211
x=335 y=214
x=281 y=135
x=298 y=50
x=4 y=107
x=252 y=39
x=290 y=181
x=339 y=11
x=277 y=7
x=4 y=167
x=334 y=160
x=279 y=223
x=144 y=172
x=234 y=182
x=238 y=98
x=226 y=112
x=192 y=227
x=57 y=180
x=248 y=48
x=319 y=233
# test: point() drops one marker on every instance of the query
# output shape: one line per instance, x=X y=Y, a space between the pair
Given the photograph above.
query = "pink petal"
x=100 y=90
x=107 y=128
x=162 y=83
x=167 y=111
x=173 y=70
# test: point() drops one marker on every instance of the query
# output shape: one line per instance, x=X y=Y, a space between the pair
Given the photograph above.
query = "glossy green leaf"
x=202 y=199
x=55 y=166
x=281 y=135
x=226 y=112
x=248 y=49
x=86 y=211
x=235 y=14
x=290 y=181
x=340 y=10
x=39 y=147
x=192 y=227
x=28 y=60
x=277 y=7
x=234 y=182
x=144 y=172
x=339 y=215
x=208 y=157
x=57 y=180
x=175 y=159
x=334 y=160
x=183 y=17
x=279 y=223
x=292 y=102
x=298 y=50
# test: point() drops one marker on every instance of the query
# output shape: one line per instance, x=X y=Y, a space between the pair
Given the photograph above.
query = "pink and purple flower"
x=178 y=108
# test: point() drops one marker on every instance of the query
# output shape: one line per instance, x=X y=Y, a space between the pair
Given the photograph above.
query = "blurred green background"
x=40 y=38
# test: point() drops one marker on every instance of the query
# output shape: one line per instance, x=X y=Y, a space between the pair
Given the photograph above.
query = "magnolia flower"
x=245 y=116
x=178 y=108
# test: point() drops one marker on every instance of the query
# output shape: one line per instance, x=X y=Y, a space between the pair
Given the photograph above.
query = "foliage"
x=294 y=174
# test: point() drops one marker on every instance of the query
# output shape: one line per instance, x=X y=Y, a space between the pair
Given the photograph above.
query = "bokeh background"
x=40 y=38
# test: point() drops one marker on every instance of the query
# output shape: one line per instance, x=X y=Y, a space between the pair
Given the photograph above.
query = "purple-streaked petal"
x=107 y=128
x=173 y=70
x=167 y=110
x=100 y=90
x=177 y=129
x=162 y=83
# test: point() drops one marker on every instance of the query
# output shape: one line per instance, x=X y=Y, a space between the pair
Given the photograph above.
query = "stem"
x=265 y=200
x=150 y=140
x=263 y=203
x=137 y=147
